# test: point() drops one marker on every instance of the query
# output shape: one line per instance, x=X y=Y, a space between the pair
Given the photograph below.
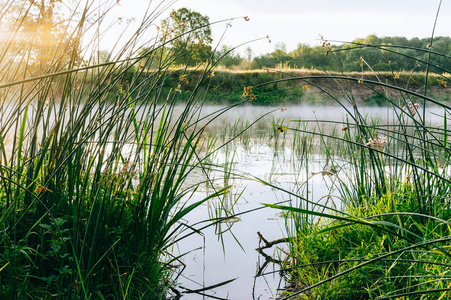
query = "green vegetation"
x=288 y=86
x=94 y=157
x=393 y=59
x=390 y=237
x=189 y=34
x=225 y=87
x=94 y=160
x=382 y=54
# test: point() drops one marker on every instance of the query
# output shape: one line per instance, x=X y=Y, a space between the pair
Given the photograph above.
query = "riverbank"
x=302 y=86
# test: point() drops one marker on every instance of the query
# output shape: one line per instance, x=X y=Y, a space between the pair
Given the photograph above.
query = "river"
x=214 y=258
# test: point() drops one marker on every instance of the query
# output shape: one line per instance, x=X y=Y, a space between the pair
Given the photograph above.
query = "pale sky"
x=302 y=21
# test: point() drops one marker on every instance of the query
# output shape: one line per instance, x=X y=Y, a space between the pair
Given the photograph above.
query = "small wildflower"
x=306 y=87
x=282 y=109
x=360 y=80
x=41 y=188
x=344 y=128
x=378 y=143
x=281 y=129
x=247 y=91
x=396 y=75
x=76 y=284
x=327 y=52
x=412 y=107
x=183 y=79
x=444 y=83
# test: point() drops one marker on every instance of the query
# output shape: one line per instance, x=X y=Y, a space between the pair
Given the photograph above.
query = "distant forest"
x=370 y=53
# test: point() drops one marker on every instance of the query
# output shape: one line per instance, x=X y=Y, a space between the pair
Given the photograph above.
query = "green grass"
x=390 y=238
x=94 y=161
x=273 y=88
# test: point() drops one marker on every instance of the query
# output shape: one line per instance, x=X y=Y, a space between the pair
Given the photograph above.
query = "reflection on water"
x=268 y=150
x=279 y=157
x=233 y=255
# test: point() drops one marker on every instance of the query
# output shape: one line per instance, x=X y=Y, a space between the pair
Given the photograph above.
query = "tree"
x=227 y=56
x=249 y=54
x=38 y=24
x=189 y=35
x=37 y=33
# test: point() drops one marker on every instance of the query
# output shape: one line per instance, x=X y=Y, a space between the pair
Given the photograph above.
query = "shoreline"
x=279 y=87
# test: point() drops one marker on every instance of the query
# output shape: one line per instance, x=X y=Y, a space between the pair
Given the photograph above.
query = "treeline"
x=379 y=54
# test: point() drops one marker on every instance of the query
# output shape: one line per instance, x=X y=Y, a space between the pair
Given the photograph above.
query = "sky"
x=304 y=21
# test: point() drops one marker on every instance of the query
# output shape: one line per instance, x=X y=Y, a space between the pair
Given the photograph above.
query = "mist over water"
x=227 y=251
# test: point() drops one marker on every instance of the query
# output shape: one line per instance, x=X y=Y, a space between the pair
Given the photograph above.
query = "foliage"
x=189 y=35
x=390 y=237
x=382 y=54
x=227 y=57
x=35 y=33
x=92 y=174
x=226 y=87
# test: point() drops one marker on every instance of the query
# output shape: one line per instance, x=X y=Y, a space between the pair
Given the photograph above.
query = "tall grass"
x=390 y=238
x=94 y=159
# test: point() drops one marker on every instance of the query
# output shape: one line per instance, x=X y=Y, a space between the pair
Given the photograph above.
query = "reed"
x=390 y=236
x=94 y=161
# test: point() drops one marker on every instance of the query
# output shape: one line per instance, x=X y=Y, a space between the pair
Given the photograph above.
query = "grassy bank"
x=389 y=237
x=93 y=166
x=300 y=86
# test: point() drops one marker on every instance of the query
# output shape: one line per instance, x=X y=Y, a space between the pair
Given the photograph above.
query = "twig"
x=268 y=244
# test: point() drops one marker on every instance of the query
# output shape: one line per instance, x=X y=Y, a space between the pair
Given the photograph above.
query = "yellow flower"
x=247 y=91
x=183 y=79
x=41 y=188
